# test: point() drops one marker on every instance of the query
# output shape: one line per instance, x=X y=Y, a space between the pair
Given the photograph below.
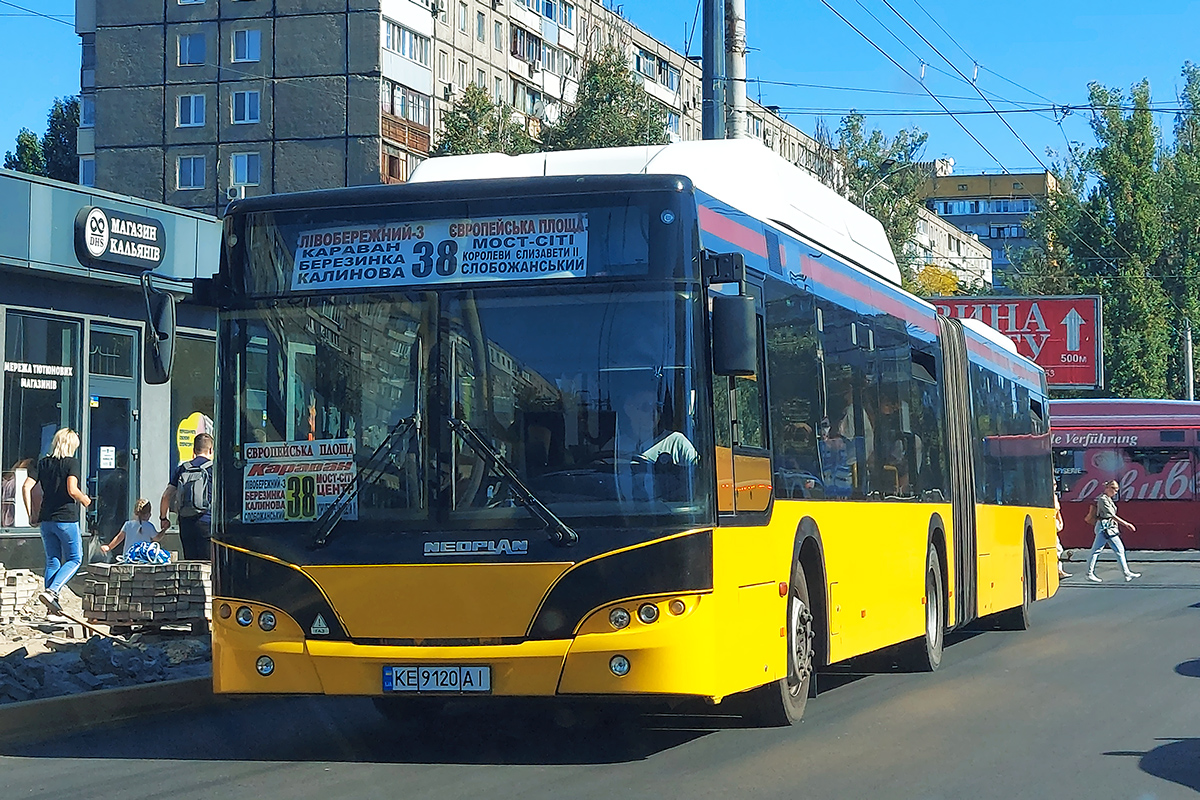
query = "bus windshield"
x=588 y=394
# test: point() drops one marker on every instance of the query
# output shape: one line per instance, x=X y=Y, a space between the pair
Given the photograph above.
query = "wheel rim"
x=933 y=615
x=802 y=640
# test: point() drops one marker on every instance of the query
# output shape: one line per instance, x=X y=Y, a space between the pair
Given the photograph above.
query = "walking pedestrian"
x=1108 y=532
x=57 y=477
x=189 y=495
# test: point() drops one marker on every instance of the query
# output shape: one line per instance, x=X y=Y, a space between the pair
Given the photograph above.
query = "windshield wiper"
x=560 y=532
x=370 y=472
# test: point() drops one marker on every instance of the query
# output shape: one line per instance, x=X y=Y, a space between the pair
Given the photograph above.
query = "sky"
x=1034 y=57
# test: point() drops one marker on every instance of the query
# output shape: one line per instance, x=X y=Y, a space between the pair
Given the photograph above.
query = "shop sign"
x=185 y=433
x=104 y=236
x=38 y=376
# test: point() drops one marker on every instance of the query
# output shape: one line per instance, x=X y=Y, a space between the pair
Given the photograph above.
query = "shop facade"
x=72 y=323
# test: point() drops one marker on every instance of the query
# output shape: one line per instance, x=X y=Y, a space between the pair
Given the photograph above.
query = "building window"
x=646 y=64
x=526 y=46
x=191 y=49
x=673 y=122
x=87 y=171
x=87 y=111
x=481 y=79
x=400 y=101
x=191 y=111
x=499 y=95
x=245 y=107
x=526 y=98
x=41 y=395
x=442 y=66
x=394 y=164
x=462 y=74
x=409 y=44
x=244 y=169
x=550 y=9
x=1018 y=186
x=498 y=35
x=191 y=391
x=668 y=75
x=189 y=172
x=247 y=45
x=462 y=17
x=568 y=16
x=480 y=26
x=191 y=2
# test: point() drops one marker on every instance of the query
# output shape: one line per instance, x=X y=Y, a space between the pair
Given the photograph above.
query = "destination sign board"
x=526 y=247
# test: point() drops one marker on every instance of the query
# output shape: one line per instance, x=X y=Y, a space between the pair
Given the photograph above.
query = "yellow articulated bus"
x=652 y=422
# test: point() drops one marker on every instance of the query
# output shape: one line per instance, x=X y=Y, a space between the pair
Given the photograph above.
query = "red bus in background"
x=1151 y=447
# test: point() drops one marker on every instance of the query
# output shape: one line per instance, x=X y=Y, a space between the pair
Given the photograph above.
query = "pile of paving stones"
x=17 y=588
x=148 y=594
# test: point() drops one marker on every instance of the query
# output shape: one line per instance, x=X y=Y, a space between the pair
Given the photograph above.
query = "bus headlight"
x=648 y=612
x=266 y=620
x=244 y=616
x=264 y=665
x=618 y=618
x=619 y=666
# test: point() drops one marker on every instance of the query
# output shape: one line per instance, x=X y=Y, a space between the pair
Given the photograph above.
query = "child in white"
x=138 y=529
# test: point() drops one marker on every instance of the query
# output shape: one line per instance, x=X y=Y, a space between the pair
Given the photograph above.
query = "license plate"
x=443 y=678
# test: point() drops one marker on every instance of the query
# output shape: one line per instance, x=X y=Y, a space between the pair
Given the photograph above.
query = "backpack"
x=193 y=494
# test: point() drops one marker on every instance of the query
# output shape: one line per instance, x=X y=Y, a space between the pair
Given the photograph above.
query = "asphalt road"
x=1101 y=699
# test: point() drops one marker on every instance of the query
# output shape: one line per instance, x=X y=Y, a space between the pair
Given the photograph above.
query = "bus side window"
x=926 y=419
x=794 y=368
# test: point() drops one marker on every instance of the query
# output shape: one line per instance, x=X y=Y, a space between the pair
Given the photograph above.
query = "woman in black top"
x=58 y=476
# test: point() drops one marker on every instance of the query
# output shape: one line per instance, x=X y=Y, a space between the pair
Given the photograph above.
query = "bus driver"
x=651 y=462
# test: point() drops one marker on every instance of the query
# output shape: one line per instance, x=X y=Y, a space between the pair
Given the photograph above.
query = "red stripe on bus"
x=847 y=285
x=732 y=232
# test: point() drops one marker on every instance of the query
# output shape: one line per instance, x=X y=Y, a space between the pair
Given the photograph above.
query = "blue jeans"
x=64 y=553
x=1101 y=541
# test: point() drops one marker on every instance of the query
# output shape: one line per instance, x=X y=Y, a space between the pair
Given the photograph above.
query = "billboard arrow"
x=1073 y=322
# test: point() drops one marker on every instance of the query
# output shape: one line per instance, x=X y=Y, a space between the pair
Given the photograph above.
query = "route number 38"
x=300 y=497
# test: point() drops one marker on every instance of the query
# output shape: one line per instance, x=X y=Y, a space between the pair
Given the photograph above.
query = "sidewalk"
x=1078 y=555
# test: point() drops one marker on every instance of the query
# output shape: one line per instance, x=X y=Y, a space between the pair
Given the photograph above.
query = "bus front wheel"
x=782 y=703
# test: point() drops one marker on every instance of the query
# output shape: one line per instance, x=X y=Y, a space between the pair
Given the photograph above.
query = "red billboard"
x=1062 y=334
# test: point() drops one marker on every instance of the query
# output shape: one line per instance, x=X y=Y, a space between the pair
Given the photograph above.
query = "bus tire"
x=1017 y=619
x=925 y=653
x=782 y=702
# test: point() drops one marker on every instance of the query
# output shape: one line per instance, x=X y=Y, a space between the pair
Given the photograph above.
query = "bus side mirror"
x=159 y=353
x=734 y=345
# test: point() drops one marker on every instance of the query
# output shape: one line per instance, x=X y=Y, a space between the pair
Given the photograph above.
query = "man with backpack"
x=189 y=495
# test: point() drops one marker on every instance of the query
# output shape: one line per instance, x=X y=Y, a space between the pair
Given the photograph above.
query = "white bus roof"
x=740 y=172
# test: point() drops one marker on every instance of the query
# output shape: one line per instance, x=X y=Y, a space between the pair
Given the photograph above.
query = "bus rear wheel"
x=782 y=703
x=925 y=654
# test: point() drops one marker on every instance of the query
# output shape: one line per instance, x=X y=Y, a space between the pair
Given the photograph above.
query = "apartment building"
x=191 y=102
x=939 y=243
x=993 y=207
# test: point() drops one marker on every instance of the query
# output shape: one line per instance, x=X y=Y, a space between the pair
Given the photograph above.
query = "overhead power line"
x=52 y=17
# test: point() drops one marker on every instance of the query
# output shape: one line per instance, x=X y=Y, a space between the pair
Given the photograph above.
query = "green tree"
x=1114 y=228
x=477 y=125
x=53 y=156
x=59 y=141
x=28 y=157
x=884 y=177
x=611 y=110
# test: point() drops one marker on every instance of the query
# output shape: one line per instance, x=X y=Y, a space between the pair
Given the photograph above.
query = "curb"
x=37 y=720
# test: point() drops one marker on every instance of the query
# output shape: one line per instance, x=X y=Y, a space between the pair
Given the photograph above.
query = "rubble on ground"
x=17 y=588
x=43 y=655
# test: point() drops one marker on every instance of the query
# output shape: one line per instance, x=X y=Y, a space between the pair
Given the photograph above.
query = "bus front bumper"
x=674 y=656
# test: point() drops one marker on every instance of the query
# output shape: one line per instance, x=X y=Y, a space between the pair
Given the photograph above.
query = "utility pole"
x=713 y=57
x=736 y=126
x=1187 y=356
